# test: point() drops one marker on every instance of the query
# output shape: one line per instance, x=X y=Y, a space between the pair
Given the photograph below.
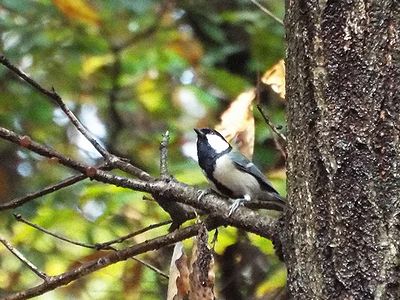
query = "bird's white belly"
x=239 y=182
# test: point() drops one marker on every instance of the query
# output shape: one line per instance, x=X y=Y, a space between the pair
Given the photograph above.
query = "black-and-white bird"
x=230 y=173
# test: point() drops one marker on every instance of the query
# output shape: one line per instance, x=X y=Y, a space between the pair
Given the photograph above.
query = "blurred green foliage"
x=130 y=70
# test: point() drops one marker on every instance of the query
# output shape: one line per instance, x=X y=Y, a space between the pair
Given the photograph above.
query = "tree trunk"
x=343 y=91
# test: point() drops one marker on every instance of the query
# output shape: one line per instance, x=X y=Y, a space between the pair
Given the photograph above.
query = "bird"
x=230 y=173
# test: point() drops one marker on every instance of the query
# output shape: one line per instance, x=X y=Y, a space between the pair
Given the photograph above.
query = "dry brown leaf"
x=178 y=283
x=275 y=78
x=202 y=277
x=78 y=10
x=237 y=123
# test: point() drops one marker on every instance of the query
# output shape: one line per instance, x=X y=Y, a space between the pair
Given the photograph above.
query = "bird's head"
x=211 y=139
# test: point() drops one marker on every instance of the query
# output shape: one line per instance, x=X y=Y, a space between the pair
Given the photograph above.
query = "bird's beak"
x=198 y=131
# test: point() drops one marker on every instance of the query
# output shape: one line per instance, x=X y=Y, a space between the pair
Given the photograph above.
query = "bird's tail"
x=272 y=201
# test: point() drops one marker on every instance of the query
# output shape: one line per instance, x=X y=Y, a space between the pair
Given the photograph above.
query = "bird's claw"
x=236 y=203
x=202 y=193
x=235 y=206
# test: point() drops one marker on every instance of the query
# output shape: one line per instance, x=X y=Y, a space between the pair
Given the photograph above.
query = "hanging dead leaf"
x=275 y=78
x=237 y=123
x=178 y=284
x=78 y=10
x=202 y=277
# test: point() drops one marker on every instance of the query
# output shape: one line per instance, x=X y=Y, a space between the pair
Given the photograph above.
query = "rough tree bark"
x=343 y=91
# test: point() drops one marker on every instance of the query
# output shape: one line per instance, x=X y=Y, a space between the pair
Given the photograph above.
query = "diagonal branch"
x=55 y=98
x=26 y=142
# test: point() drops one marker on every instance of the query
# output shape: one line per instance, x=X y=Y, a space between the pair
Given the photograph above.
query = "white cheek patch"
x=217 y=143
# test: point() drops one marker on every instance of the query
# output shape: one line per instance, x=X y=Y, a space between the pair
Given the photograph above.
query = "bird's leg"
x=237 y=203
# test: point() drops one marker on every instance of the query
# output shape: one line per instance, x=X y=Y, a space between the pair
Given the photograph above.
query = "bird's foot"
x=236 y=203
x=202 y=193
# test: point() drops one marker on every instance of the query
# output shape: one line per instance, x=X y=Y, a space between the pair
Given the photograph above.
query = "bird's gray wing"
x=245 y=165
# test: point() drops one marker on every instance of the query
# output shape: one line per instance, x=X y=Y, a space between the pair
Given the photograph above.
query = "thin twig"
x=19 y=218
x=47 y=190
x=136 y=38
x=281 y=136
x=97 y=246
x=151 y=267
x=23 y=259
x=131 y=235
x=178 y=212
x=164 y=173
x=267 y=11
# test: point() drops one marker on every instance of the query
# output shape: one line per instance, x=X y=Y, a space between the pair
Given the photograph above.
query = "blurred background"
x=131 y=70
